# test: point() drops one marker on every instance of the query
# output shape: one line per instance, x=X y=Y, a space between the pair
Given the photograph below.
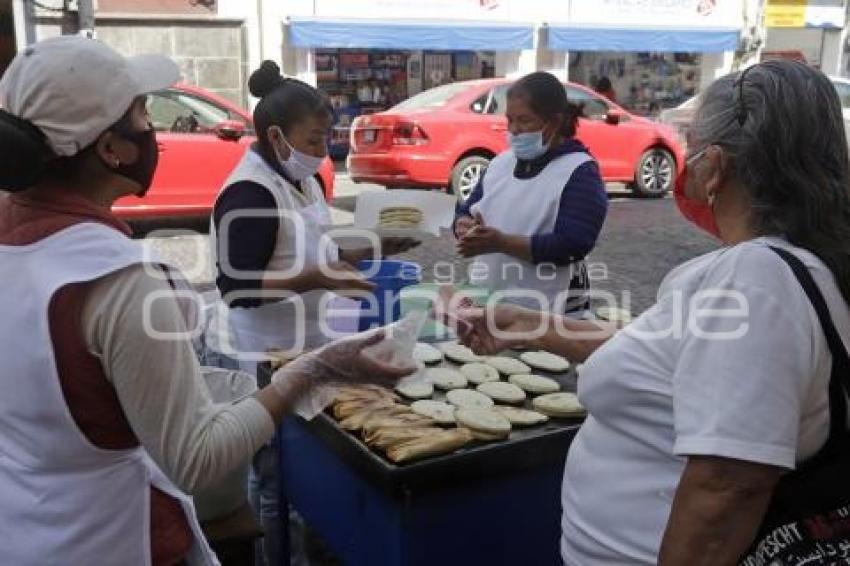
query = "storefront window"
x=645 y=83
x=365 y=81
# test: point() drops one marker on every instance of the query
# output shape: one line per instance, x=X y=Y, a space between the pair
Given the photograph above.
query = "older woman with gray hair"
x=700 y=406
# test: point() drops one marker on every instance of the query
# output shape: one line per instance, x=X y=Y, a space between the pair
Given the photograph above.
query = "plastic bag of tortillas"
x=396 y=349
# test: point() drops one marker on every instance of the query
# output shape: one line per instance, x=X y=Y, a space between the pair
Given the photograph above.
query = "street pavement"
x=642 y=240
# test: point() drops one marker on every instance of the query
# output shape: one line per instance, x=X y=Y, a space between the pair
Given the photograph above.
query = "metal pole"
x=85 y=17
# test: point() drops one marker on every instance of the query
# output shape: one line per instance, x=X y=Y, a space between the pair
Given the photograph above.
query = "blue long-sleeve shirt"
x=581 y=212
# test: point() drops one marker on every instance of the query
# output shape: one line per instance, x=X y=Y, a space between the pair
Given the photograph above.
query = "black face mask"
x=141 y=171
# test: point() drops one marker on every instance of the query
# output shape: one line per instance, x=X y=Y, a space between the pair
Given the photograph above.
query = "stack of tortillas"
x=402 y=217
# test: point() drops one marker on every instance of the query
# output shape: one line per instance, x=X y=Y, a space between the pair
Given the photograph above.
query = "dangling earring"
x=711 y=197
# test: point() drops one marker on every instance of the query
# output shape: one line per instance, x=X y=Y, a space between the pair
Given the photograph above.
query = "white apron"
x=301 y=321
x=63 y=500
x=527 y=207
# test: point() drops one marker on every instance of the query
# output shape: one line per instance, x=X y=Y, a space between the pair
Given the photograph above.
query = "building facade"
x=377 y=52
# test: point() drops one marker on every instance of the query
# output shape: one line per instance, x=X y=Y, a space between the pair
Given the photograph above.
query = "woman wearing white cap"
x=105 y=422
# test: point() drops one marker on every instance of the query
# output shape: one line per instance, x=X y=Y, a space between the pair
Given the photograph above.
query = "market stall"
x=488 y=502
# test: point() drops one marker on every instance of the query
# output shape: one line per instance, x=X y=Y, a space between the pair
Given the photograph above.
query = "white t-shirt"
x=681 y=382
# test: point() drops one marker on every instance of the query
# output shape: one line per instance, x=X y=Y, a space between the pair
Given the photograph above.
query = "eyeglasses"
x=742 y=112
x=695 y=157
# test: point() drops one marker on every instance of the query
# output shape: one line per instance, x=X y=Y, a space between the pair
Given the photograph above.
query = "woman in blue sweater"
x=538 y=210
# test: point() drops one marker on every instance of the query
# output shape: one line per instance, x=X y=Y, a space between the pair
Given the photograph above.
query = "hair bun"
x=25 y=151
x=265 y=79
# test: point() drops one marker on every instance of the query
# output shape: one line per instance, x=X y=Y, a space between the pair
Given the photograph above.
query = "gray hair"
x=780 y=124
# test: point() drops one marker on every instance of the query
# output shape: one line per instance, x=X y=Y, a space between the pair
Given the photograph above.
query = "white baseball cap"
x=74 y=88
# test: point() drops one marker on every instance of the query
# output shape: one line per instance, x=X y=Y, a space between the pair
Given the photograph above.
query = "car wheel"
x=655 y=173
x=466 y=174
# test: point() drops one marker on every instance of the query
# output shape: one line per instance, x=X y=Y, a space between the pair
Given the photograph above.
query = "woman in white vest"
x=106 y=420
x=276 y=269
x=278 y=274
x=539 y=208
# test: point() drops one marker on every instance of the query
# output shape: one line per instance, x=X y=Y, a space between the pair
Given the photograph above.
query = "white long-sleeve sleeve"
x=160 y=384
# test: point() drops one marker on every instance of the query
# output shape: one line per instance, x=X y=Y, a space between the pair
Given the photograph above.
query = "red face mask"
x=696 y=212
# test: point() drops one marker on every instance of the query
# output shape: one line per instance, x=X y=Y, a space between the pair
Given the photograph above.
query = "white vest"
x=63 y=500
x=301 y=244
x=526 y=207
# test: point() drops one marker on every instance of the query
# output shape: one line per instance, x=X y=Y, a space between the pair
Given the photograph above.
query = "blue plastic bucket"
x=390 y=276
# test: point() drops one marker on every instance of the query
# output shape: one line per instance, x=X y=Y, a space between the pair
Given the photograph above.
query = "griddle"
x=526 y=448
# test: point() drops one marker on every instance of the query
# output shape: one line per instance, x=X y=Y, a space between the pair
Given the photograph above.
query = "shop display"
x=559 y=405
x=446 y=378
x=442 y=413
x=427 y=354
x=478 y=373
x=534 y=384
x=502 y=392
x=506 y=365
x=545 y=361
x=468 y=399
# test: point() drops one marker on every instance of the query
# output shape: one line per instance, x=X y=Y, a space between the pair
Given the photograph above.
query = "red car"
x=201 y=138
x=446 y=136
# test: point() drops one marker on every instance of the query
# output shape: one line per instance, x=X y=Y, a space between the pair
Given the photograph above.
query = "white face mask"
x=299 y=165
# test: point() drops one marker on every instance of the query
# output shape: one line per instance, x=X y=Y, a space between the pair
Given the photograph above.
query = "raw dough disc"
x=418 y=390
x=545 y=361
x=478 y=373
x=534 y=384
x=468 y=399
x=427 y=354
x=484 y=420
x=559 y=405
x=507 y=366
x=501 y=391
x=459 y=353
x=521 y=417
x=441 y=412
x=446 y=378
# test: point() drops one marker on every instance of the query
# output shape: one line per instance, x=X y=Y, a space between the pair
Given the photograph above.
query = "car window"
x=498 y=100
x=594 y=107
x=433 y=98
x=173 y=111
x=843 y=93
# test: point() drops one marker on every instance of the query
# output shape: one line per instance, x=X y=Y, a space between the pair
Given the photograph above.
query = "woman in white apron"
x=280 y=277
x=276 y=270
x=539 y=208
x=106 y=421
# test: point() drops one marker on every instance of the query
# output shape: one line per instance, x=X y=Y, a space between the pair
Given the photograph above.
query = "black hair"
x=25 y=153
x=29 y=160
x=547 y=98
x=603 y=84
x=284 y=102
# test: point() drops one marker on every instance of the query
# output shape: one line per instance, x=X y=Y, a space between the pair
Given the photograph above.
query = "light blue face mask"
x=528 y=145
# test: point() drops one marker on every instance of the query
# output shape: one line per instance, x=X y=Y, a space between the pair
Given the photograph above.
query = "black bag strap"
x=840 y=360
